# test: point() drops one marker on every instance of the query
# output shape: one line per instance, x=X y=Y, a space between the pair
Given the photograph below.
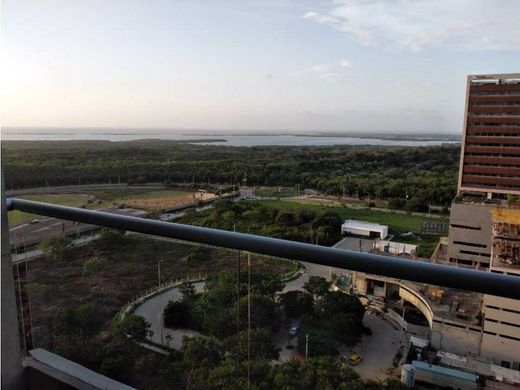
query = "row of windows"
x=498 y=103
x=502 y=308
x=502 y=335
x=494 y=93
x=506 y=155
x=474 y=253
x=454 y=225
x=504 y=175
x=474 y=164
x=470 y=244
x=491 y=185
x=494 y=143
x=502 y=322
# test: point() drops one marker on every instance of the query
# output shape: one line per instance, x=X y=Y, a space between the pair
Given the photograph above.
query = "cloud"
x=417 y=25
x=345 y=64
x=331 y=72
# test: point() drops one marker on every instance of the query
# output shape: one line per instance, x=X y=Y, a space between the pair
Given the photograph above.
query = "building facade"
x=490 y=158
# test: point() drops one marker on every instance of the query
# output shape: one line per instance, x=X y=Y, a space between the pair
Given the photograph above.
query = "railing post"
x=12 y=353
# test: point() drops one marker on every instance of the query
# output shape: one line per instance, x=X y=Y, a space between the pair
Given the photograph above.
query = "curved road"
x=378 y=350
x=152 y=310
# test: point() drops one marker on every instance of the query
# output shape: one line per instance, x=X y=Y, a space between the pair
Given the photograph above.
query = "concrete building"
x=469 y=239
x=501 y=333
x=484 y=228
x=490 y=155
x=362 y=228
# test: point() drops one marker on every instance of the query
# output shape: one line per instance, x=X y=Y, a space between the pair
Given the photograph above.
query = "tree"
x=201 y=352
x=177 y=314
x=134 y=326
x=94 y=265
x=262 y=347
x=53 y=248
x=297 y=303
x=321 y=342
x=266 y=284
x=83 y=320
x=188 y=291
x=317 y=286
x=88 y=321
x=264 y=312
x=335 y=302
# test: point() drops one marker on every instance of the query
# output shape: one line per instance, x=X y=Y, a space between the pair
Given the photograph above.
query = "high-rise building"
x=489 y=165
x=485 y=217
x=490 y=155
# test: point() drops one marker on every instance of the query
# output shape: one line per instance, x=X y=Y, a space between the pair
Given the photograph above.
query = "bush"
x=94 y=265
x=38 y=291
x=177 y=314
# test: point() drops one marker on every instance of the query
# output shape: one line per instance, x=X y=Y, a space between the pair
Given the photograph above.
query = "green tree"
x=134 y=326
x=321 y=342
x=188 y=291
x=177 y=314
x=297 y=303
x=94 y=265
x=83 y=321
x=317 y=286
x=53 y=248
x=261 y=345
x=264 y=312
x=201 y=352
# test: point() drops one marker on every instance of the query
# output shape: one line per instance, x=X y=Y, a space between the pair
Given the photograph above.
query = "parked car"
x=34 y=221
x=294 y=330
x=355 y=359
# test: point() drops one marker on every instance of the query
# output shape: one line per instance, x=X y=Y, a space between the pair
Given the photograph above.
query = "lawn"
x=17 y=217
x=397 y=222
x=274 y=192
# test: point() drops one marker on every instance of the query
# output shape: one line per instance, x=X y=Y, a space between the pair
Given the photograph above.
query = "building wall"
x=455 y=338
x=469 y=239
x=490 y=159
x=501 y=338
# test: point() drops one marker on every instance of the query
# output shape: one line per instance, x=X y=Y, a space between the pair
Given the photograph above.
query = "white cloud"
x=416 y=25
x=333 y=71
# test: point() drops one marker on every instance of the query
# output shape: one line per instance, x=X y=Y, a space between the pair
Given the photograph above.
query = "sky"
x=342 y=65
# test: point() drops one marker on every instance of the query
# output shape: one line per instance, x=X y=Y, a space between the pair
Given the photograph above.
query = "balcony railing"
x=418 y=271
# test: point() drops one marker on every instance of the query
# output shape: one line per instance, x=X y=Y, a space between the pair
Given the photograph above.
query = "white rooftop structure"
x=363 y=228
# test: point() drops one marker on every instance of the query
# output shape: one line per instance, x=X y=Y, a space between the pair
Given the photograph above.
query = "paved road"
x=152 y=310
x=378 y=350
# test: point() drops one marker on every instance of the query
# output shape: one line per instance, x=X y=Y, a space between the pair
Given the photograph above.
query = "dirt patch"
x=166 y=203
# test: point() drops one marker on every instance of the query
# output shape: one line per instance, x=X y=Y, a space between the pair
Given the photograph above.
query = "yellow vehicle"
x=355 y=359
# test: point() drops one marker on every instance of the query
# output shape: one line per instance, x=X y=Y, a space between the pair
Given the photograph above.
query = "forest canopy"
x=417 y=175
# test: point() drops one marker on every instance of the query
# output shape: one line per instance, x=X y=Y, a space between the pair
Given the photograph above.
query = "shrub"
x=94 y=265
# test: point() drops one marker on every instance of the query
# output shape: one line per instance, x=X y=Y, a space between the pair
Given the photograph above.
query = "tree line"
x=424 y=174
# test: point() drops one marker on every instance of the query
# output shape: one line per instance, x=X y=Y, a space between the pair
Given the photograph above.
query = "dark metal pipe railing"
x=417 y=271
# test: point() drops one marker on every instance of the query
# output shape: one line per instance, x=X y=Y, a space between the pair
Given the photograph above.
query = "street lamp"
x=159 y=272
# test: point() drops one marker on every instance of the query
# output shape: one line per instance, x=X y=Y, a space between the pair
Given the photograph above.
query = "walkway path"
x=152 y=310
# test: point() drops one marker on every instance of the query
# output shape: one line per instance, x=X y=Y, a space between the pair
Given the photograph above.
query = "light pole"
x=159 y=272
x=306 y=346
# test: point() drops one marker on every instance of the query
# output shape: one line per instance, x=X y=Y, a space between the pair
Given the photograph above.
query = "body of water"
x=222 y=138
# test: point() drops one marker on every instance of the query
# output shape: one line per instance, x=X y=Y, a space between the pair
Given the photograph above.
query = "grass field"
x=74 y=200
x=274 y=192
x=142 y=198
x=397 y=222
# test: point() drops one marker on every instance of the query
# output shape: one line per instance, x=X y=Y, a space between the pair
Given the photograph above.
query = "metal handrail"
x=442 y=275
